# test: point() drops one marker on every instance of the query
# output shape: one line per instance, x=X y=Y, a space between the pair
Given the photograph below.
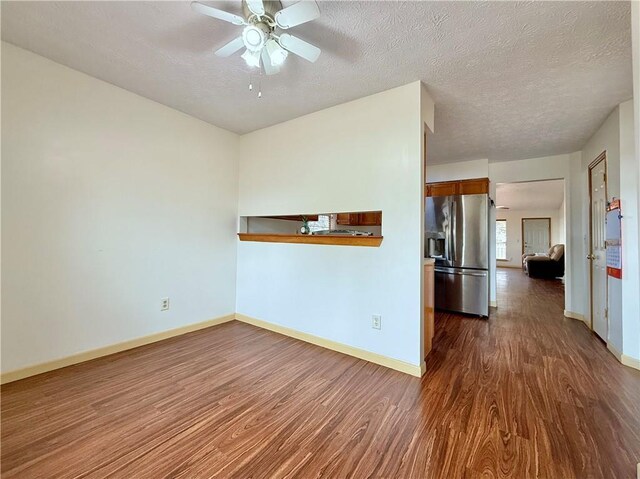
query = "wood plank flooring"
x=528 y=393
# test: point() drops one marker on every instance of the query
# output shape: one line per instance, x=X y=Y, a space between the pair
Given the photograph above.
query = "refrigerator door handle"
x=461 y=273
x=451 y=237
x=454 y=223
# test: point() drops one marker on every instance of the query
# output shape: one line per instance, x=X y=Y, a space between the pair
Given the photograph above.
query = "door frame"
x=522 y=230
x=601 y=157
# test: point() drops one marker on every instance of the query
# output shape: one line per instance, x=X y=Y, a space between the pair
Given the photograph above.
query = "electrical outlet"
x=376 y=321
x=164 y=304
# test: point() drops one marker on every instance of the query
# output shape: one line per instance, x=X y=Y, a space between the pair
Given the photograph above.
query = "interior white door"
x=597 y=256
x=535 y=235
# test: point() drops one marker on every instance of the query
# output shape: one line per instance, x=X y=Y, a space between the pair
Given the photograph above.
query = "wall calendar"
x=614 y=239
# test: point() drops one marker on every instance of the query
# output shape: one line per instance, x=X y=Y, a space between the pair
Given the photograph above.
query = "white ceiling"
x=510 y=79
x=535 y=195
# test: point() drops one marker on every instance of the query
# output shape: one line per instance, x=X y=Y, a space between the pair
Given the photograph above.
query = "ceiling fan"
x=260 y=38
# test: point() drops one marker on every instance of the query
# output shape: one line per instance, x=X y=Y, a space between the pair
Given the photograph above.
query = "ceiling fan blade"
x=269 y=69
x=297 y=14
x=230 y=48
x=216 y=13
x=256 y=6
x=299 y=47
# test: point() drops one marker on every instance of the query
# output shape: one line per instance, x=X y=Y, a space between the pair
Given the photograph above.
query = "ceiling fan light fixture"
x=252 y=58
x=254 y=37
x=277 y=54
x=264 y=46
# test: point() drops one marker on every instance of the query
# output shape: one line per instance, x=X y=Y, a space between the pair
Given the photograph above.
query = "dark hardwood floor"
x=528 y=393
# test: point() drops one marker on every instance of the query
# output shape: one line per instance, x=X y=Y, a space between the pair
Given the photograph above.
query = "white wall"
x=369 y=152
x=461 y=170
x=629 y=194
x=514 y=231
x=109 y=203
x=561 y=228
x=631 y=345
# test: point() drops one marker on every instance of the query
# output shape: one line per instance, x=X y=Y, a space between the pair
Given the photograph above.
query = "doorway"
x=530 y=220
x=536 y=235
x=597 y=252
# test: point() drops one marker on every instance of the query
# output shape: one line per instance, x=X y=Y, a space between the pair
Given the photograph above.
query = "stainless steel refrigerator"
x=457 y=236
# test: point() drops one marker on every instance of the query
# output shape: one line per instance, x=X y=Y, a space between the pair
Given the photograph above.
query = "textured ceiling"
x=510 y=79
x=535 y=195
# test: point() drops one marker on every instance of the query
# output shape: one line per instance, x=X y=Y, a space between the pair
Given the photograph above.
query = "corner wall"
x=629 y=194
x=110 y=202
x=358 y=156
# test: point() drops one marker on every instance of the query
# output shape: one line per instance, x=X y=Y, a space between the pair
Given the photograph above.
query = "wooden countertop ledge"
x=372 y=241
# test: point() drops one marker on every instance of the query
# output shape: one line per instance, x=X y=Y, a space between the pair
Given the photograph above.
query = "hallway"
x=534 y=389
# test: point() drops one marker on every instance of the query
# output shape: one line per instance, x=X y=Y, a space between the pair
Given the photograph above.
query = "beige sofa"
x=550 y=265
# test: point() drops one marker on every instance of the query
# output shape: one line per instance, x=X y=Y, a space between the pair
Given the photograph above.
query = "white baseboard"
x=572 y=315
x=624 y=358
x=630 y=361
x=391 y=363
x=493 y=304
x=412 y=369
x=612 y=349
x=22 y=373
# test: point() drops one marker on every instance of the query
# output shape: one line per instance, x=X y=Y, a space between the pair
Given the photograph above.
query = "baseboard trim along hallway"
x=107 y=350
x=630 y=361
x=624 y=358
x=412 y=369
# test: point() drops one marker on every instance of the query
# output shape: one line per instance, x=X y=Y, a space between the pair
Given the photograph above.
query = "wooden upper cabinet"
x=474 y=187
x=369 y=218
x=442 y=189
x=346 y=218
x=478 y=186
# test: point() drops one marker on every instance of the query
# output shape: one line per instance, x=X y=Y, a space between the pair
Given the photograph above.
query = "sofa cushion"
x=556 y=252
x=538 y=259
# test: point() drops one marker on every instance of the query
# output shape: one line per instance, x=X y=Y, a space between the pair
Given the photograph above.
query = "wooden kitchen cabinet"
x=474 y=187
x=442 y=189
x=346 y=218
x=369 y=218
x=477 y=186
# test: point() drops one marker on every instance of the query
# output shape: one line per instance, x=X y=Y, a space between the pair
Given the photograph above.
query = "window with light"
x=501 y=239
